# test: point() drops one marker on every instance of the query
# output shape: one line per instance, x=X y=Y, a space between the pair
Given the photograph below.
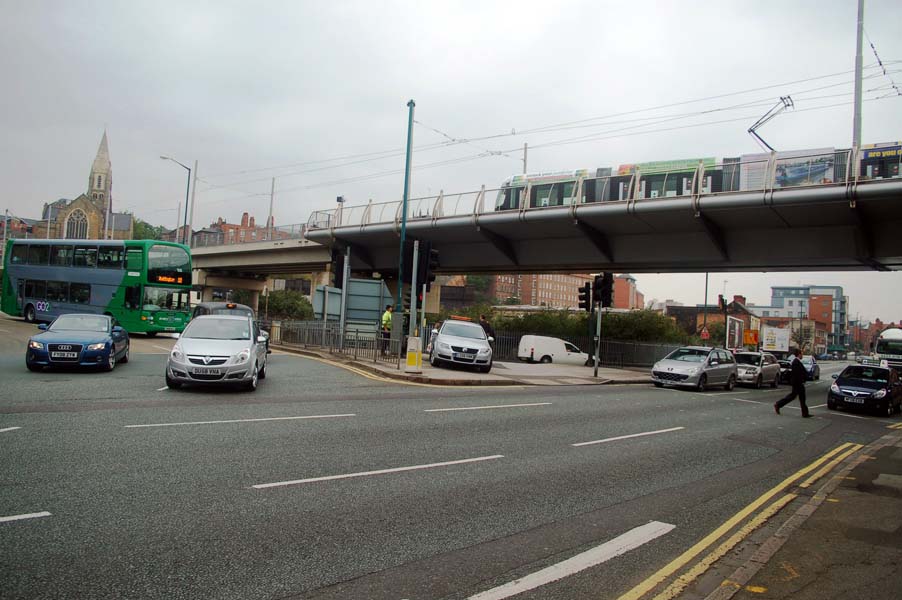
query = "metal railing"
x=757 y=174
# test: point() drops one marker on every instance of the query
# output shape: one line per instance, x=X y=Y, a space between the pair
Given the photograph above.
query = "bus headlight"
x=35 y=345
x=99 y=346
x=242 y=356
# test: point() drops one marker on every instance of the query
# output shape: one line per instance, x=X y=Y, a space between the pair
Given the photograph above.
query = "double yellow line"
x=815 y=471
x=894 y=426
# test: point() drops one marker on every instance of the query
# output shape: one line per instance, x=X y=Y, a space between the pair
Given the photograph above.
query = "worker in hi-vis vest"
x=386 y=327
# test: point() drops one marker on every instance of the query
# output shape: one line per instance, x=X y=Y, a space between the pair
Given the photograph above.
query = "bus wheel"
x=29 y=314
x=151 y=334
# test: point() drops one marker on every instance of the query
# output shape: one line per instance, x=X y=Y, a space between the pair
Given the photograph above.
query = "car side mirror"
x=117 y=329
x=42 y=326
x=835 y=376
x=261 y=339
x=713 y=363
x=435 y=332
x=491 y=339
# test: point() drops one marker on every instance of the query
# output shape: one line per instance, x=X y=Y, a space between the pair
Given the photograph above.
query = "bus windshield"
x=889 y=347
x=168 y=264
x=160 y=298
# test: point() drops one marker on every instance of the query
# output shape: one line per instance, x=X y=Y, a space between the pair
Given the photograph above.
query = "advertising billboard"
x=794 y=168
x=734 y=332
x=775 y=339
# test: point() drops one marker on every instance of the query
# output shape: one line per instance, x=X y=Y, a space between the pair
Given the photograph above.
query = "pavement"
x=502 y=373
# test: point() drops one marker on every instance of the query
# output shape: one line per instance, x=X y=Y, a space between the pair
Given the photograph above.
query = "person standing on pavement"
x=486 y=326
x=386 y=328
x=797 y=378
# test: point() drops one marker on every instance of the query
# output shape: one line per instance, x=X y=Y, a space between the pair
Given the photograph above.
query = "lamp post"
x=187 y=190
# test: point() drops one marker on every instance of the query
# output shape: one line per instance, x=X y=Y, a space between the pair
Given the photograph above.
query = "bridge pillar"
x=211 y=282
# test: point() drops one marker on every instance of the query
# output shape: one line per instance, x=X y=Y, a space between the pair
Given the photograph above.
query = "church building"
x=90 y=215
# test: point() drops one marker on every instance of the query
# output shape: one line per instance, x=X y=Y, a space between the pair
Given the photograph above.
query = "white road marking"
x=632 y=435
x=4 y=330
x=621 y=544
x=26 y=516
x=165 y=349
x=261 y=486
x=818 y=406
x=747 y=400
x=727 y=393
x=238 y=421
x=163 y=389
x=842 y=414
x=5 y=429
x=484 y=407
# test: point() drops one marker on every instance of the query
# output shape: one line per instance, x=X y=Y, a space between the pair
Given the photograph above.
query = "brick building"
x=552 y=290
x=626 y=294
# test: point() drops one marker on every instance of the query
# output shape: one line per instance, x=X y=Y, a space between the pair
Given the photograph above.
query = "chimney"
x=244 y=220
x=252 y=222
x=739 y=299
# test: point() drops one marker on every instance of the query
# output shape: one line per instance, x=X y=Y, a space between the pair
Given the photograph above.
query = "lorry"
x=887 y=349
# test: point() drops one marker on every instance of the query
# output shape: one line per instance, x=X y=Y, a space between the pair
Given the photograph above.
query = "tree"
x=145 y=231
x=288 y=304
x=481 y=285
x=801 y=336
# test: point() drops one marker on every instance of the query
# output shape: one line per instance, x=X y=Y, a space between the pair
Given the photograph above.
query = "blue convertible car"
x=78 y=340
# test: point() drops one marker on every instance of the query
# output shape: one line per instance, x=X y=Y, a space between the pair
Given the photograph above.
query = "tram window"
x=19 y=255
x=109 y=258
x=85 y=256
x=38 y=255
x=79 y=293
x=61 y=256
x=57 y=291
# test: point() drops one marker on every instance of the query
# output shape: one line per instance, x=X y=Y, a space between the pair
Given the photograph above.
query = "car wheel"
x=34 y=368
x=702 y=383
x=30 y=315
x=435 y=361
x=124 y=358
x=252 y=384
x=831 y=404
x=775 y=382
x=262 y=373
x=759 y=382
x=486 y=368
x=817 y=375
x=731 y=383
x=890 y=409
x=545 y=360
x=171 y=383
x=110 y=362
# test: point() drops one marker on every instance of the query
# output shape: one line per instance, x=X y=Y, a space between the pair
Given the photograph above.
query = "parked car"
x=228 y=308
x=78 y=340
x=462 y=343
x=757 y=368
x=696 y=366
x=812 y=369
x=785 y=371
x=866 y=387
x=218 y=349
x=539 y=348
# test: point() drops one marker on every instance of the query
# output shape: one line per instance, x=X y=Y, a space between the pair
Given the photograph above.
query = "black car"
x=866 y=387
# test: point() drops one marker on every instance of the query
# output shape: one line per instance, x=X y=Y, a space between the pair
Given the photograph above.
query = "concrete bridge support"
x=211 y=282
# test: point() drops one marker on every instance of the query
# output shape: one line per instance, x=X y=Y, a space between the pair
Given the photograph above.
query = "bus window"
x=165 y=299
x=19 y=254
x=132 y=296
x=79 y=293
x=85 y=256
x=134 y=260
x=38 y=255
x=168 y=264
x=109 y=258
x=61 y=256
x=35 y=289
x=57 y=291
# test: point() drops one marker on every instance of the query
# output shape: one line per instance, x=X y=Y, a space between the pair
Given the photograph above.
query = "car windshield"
x=808 y=360
x=81 y=323
x=688 y=355
x=218 y=329
x=875 y=374
x=748 y=359
x=463 y=330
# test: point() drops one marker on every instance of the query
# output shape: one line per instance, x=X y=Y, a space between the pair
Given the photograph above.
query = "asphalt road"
x=151 y=492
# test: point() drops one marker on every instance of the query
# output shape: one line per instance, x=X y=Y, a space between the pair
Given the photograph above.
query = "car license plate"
x=64 y=355
x=854 y=400
x=462 y=356
x=206 y=371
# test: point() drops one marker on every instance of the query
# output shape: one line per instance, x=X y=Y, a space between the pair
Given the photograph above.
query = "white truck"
x=888 y=349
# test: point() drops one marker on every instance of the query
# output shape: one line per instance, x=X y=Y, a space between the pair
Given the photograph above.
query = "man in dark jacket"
x=797 y=378
x=486 y=326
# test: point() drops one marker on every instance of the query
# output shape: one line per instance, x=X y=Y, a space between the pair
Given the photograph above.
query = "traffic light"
x=603 y=289
x=428 y=265
x=338 y=268
x=585 y=297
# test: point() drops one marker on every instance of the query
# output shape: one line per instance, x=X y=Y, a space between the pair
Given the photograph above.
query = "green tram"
x=143 y=284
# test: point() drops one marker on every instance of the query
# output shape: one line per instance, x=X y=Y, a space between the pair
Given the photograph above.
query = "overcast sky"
x=244 y=87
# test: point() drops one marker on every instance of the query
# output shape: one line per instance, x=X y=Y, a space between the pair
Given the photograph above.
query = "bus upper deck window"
x=134 y=259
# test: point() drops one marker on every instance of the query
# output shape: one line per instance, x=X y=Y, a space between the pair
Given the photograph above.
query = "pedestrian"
x=386 y=328
x=797 y=378
x=486 y=326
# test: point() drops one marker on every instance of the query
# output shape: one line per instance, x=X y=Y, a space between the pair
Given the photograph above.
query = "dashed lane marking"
x=261 y=486
x=621 y=544
x=5 y=429
x=239 y=421
x=486 y=407
x=624 y=437
x=36 y=515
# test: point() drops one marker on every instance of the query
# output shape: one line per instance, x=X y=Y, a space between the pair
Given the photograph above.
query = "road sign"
x=705 y=335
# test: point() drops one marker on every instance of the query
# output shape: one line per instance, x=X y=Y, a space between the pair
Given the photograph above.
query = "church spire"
x=100 y=182
x=102 y=160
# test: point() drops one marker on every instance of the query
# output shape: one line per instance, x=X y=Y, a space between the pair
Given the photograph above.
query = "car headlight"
x=176 y=354
x=834 y=388
x=485 y=350
x=692 y=371
x=35 y=345
x=99 y=346
x=242 y=356
x=879 y=394
x=443 y=346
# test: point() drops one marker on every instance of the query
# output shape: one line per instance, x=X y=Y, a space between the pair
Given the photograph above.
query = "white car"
x=539 y=348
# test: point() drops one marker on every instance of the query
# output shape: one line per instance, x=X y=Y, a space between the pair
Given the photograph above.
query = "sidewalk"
x=503 y=373
x=844 y=541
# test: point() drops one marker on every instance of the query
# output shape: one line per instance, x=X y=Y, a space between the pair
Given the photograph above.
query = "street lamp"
x=187 y=189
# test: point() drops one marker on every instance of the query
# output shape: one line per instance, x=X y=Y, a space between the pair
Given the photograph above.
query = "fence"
x=360 y=343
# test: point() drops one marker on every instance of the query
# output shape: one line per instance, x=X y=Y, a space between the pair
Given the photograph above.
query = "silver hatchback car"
x=757 y=369
x=218 y=349
x=696 y=366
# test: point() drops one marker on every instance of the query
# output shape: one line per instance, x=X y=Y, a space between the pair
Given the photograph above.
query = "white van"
x=538 y=348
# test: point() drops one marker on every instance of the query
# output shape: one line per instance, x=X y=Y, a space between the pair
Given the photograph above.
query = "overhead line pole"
x=272 y=193
x=856 y=119
x=410 y=105
x=525 y=148
x=190 y=232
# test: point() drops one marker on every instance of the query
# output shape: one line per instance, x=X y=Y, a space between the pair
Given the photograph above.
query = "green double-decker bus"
x=144 y=284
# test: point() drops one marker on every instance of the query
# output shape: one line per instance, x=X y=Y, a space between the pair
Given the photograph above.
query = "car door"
x=728 y=365
x=713 y=368
x=260 y=346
